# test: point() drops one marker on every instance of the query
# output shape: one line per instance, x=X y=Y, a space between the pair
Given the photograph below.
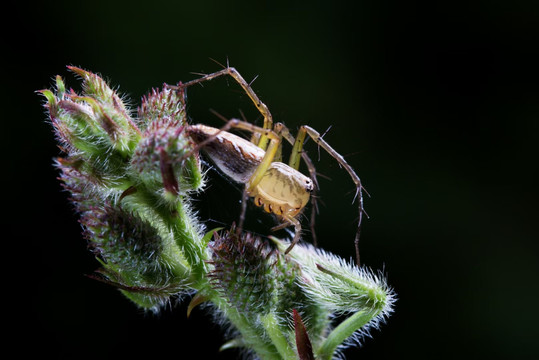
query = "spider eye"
x=309 y=185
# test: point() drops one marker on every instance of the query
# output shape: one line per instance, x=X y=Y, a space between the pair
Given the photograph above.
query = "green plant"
x=130 y=178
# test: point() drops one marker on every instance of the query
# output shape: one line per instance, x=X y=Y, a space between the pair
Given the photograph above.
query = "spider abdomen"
x=282 y=190
x=236 y=157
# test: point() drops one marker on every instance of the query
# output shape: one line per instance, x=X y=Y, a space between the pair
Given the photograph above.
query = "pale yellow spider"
x=276 y=187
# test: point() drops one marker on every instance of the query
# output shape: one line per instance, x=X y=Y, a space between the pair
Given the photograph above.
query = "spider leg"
x=313 y=134
x=241 y=220
x=263 y=141
x=297 y=151
x=297 y=231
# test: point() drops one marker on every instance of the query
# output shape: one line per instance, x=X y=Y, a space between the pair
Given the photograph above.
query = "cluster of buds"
x=130 y=177
x=127 y=177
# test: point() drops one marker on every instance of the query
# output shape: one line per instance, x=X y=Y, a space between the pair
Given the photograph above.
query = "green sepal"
x=208 y=236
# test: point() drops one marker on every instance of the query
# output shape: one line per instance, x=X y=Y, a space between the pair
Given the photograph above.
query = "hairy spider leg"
x=263 y=140
x=245 y=193
x=276 y=158
x=313 y=134
x=297 y=231
x=243 y=211
x=297 y=151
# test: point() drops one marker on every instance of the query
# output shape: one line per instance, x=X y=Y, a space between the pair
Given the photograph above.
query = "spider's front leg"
x=263 y=140
x=297 y=230
x=294 y=162
x=313 y=134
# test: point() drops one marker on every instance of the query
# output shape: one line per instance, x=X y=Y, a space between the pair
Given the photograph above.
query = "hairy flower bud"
x=162 y=104
x=135 y=256
x=160 y=158
x=341 y=286
x=118 y=214
x=110 y=110
x=93 y=127
x=343 y=289
x=244 y=271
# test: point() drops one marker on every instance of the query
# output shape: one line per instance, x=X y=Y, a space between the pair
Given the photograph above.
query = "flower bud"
x=94 y=127
x=162 y=104
x=343 y=288
x=244 y=272
x=161 y=159
x=110 y=110
x=136 y=257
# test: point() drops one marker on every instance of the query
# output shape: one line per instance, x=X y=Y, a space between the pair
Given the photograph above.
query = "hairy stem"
x=342 y=332
x=277 y=337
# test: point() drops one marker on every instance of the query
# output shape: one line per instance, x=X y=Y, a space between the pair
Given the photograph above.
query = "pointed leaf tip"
x=60 y=87
x=78 y=70
x=234 y=343
x=49 y=95
x=195 y=301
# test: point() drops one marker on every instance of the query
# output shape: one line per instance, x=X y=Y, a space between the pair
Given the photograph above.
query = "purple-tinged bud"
x=244 y=271
x=123 y=240
x=135 y=256
x=162 y=104
x=99 y=116
x=109 y=109
x=160 y=158
x=97 y=88
x=94 y=127
x=84 y=188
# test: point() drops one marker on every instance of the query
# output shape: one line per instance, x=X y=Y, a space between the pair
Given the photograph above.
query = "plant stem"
x=277 y=337
x=249 y=334
x=342 y=332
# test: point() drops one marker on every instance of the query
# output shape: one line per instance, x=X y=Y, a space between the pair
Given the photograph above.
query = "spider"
x=275 y=186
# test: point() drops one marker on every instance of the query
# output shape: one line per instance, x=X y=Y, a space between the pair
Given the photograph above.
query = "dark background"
x=434 y=104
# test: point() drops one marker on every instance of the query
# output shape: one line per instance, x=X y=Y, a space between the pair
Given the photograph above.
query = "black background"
x=435 y=104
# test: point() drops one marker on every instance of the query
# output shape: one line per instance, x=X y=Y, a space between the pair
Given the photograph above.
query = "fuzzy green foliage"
x=130 y=176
